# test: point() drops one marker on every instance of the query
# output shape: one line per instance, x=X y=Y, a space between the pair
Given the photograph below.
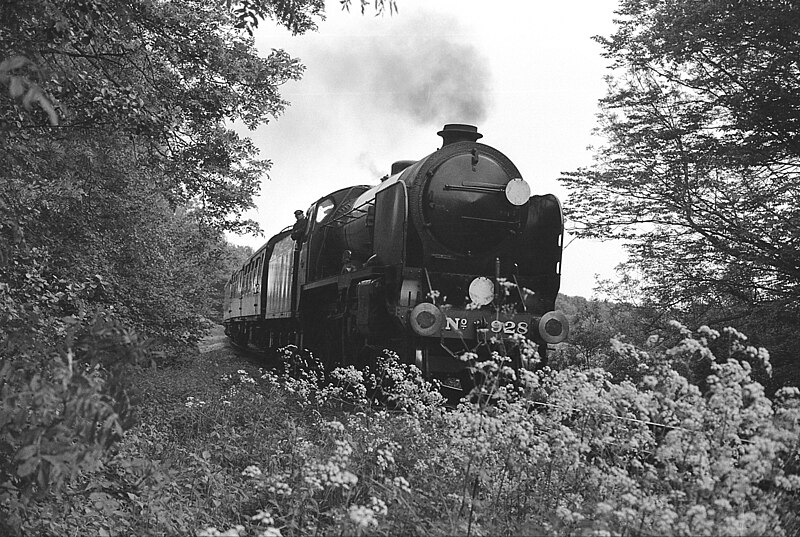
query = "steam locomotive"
x=448 y=254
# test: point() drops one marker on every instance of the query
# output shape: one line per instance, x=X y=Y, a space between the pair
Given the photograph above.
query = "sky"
x=376 y=89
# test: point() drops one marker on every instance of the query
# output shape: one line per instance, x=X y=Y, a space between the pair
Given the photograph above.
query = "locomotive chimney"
x=458 y=132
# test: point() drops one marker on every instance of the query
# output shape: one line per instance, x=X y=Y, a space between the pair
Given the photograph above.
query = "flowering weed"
x=543 y=452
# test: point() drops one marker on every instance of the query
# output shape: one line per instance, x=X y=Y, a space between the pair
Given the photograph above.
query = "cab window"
x=324 y=208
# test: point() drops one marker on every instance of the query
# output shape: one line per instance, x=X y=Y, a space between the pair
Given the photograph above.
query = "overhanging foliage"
x=700 y=172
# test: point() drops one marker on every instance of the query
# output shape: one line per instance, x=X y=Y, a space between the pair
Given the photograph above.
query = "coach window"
x=324 y=208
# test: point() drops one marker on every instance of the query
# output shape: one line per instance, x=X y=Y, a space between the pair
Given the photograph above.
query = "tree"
x=118 y=174
x=165 y=76
x=700 y=173
x=594 y=327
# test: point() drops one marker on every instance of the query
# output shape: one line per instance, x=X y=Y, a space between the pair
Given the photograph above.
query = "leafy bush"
x=65 y=358
x=61 y=409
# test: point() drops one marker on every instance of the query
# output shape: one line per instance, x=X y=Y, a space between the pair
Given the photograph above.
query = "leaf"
x=35 y=95
x=14 y=62
x=26 y=452
x=43 y=478
x=31 y=96
x=16 y=87
x=29 y=467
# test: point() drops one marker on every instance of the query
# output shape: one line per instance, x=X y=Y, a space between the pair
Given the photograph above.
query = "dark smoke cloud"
x=425 y=70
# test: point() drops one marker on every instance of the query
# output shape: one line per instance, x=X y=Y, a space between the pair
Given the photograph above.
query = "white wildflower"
x=402 y=483
x=378 y=506
x=251 y=471
x=263 y=517
x=362 y=516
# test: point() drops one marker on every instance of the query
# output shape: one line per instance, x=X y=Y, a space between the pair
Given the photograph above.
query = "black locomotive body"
x=448 y=254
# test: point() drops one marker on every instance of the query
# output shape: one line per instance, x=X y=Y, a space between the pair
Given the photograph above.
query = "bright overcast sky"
x=377 y=89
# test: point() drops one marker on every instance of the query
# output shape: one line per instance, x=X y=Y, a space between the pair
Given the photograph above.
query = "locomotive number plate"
x=509 y=327
x=460 y=324
x=456 y=323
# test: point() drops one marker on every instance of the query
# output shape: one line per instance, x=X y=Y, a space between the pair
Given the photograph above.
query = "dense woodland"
x=120 y=174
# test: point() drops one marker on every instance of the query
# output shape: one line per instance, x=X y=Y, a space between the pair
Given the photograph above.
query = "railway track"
x=217 y=341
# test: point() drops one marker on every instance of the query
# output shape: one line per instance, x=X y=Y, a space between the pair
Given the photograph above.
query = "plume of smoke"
x=423 y=71
x=433 y=79
x=366 y=162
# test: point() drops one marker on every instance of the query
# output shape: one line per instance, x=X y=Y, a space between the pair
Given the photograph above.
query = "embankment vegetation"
x=221 y=447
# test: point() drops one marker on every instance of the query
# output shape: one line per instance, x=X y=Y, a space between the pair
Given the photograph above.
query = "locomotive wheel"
x=420 y=355
x=452 y=393
x=240 y=339
x=543 y=355
x=352 y=343
x=332 y=345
